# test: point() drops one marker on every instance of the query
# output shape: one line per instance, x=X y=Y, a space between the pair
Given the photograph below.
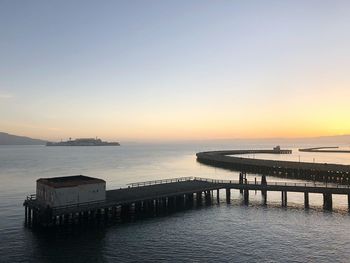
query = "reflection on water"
x=220 y=232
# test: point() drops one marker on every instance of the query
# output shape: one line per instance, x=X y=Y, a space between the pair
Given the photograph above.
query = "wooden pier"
x=321 y=172
x=163 y=195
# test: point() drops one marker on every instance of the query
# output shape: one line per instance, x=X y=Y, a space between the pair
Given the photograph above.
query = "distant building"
x=277 y=148
x=83 y=142
x=70 y=190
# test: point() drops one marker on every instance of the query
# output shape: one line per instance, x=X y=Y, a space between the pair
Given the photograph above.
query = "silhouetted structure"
x=324 y=150
x=162 y=195
x=83 y=142
x=322 y=172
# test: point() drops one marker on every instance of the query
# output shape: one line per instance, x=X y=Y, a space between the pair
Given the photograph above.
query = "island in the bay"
x=83 y=142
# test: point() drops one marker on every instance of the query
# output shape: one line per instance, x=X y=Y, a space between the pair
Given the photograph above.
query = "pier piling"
x=327 y=201
x=284 y=198
x=306 y=200
x=228 y=195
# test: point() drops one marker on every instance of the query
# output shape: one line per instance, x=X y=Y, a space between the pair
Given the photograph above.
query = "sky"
x=174 y=70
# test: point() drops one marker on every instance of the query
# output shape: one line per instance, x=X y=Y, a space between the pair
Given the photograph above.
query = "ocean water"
x=216 y=233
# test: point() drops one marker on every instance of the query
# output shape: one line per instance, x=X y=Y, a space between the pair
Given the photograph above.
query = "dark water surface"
x=216 y=233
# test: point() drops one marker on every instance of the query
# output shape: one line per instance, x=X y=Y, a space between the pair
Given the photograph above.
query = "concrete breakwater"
x=322 y=172
x=324 y=150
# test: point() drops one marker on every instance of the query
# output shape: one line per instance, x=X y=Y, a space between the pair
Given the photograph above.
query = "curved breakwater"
x=322 y=172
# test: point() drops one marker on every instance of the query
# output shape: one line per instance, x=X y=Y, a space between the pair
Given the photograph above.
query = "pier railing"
x=311 y=184
x=220 y=181
x=31 y=197
x=163 y=181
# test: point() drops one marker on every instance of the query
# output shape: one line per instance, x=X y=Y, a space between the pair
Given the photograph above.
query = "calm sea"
x=217 y=233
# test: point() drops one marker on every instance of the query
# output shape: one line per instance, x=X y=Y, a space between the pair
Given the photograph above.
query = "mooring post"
x=29 y=216
x=164 y=202
x=284 y=198
x=199 y=198
x=114 y=211
x=264 y=192
x=34 y=217
x=327 y=201
x=306 y=199
x=26 y=215
x=65 y=219
x=106 y=212
x=180 y=200
x=255 y=182
x=264 y=197
x=189 y=200
x=228 y=195
x=207 y=197
x=241 y=182
x=246 y=196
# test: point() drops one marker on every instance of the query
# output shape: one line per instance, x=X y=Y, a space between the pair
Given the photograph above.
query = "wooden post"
x=306 y=200
x=264 y=197
x=228 y=195
x=164 y=202
x=246 y=196
x=327 y=201
x=199 y=198
x=349 y=202
x=26 y=215
x=218 y=195
x=241 y=182
x=106 y=212
x=208 y=197
x=114 y=211
x=34 y=217
x=284 y=198
x=29 y=216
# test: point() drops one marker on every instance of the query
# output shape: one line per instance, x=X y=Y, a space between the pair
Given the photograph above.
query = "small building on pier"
x=69 y=190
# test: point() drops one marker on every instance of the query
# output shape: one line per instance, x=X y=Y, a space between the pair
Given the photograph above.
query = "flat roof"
x=69 y=181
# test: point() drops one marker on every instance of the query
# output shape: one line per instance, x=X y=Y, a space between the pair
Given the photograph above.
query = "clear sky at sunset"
x=137 y=70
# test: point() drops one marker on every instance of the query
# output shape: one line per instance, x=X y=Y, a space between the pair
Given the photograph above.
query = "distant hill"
x=9 y=139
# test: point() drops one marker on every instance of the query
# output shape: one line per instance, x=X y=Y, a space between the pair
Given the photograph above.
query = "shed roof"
x=69 y=181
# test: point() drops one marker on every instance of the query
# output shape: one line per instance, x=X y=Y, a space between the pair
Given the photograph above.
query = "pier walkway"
x=166 y=194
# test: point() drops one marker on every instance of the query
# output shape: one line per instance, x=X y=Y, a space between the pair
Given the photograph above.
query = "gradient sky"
x=137 y=70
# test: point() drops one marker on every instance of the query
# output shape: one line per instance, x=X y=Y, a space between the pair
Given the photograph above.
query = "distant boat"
x=83 y=142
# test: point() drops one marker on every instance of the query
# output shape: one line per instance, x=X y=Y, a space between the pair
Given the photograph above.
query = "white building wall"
x=70 y=195
x=92 y=192
x=65 y=196
x=44 y=194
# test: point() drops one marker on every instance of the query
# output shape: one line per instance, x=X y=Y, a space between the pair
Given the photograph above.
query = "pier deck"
x=170 y=193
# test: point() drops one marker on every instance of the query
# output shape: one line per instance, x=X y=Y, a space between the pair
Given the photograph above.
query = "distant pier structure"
x=78 y=199
x=321 y=172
